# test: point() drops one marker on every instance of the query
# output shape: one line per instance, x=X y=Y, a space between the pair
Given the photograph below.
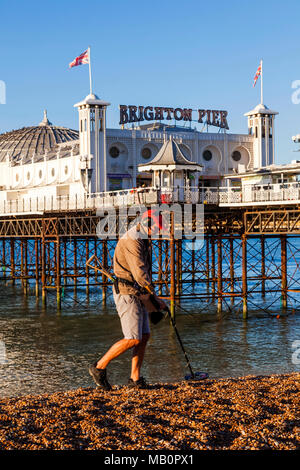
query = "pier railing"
x=286 y=193
x=77 y=202
x=262 y=194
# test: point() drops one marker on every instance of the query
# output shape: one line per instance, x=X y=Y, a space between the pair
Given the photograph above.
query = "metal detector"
x=193 y=375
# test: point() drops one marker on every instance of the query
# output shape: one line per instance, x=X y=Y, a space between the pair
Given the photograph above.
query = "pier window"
x=236 y=156
x=146 y=153
x=207 y=155
x=114 y=152
x=92 y=119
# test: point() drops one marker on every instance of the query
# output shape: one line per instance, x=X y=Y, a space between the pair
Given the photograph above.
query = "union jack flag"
x=258 y=73
x=81 y=59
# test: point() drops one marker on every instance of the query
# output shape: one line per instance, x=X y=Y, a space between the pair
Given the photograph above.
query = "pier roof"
x=260 y=109
x=34 y=140
x=293 y=168
x=171 y=156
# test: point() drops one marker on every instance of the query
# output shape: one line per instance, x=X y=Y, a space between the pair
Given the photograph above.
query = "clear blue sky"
x=189 y=53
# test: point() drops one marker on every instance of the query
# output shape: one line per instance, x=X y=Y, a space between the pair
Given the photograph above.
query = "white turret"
x=92 y=137
x=261 y=126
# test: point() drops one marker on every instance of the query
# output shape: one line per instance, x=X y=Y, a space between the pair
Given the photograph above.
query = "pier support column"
x=219 y=243
x=213 y=268
x=26 y=267
x=178 y=246
x=263 y=266
x=87 y=269
x=207 y=264
x=95 y=251
x=75 y=265
x=283 y=272
x=160 y=267
x=43 y=273
x=4 y=258
x=231 y=262
x=58 y=273
x=36 y=249
x=12 y=260
x=193 y=244
x=22 y=263
x=244 y=276
x=172 y=267
x=65 y=263
x=166 y=257
x=104 y=278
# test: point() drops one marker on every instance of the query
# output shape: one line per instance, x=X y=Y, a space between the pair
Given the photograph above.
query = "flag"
x=258 y=73
x=81 y=59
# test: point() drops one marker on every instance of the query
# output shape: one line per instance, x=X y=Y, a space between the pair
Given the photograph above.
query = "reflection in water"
x=48 y=352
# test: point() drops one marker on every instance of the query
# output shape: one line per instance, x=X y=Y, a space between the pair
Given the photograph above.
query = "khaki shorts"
x=133 y=315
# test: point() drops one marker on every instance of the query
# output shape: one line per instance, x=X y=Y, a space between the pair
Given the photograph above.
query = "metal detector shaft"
x=180 y=342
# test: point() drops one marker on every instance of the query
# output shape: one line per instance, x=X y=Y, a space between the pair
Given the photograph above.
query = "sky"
x=190 y=53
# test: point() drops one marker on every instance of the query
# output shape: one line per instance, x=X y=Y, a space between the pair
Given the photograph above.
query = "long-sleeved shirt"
x=132 y=261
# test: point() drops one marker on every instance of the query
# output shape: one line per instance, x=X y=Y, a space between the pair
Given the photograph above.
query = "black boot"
x=99 y=376
x=140 y=383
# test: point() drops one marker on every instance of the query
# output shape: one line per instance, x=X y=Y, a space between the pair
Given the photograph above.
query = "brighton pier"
x=57 y=184
x=132 y=113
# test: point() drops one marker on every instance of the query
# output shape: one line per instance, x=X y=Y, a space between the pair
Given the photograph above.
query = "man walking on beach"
x=132 y=268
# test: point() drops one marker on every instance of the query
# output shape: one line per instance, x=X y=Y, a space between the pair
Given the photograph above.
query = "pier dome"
x=34 y=140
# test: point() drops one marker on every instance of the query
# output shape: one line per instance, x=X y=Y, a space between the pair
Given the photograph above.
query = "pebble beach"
x=248 y=413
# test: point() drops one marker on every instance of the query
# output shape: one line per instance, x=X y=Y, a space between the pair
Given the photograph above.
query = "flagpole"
x=90 y=70
x=261 y=82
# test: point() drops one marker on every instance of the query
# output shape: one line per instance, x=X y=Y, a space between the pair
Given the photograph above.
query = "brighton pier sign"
x=132 y=113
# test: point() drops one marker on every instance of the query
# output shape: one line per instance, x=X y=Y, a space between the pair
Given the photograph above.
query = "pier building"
x=54 y=181
x=46 y=162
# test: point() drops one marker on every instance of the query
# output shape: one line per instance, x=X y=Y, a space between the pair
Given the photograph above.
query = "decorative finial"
x=45 y=121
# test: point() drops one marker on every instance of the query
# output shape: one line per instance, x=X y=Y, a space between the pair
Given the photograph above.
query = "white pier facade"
x=47 y=168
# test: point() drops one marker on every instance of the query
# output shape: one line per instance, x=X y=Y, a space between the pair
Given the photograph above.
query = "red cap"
x=155 y=216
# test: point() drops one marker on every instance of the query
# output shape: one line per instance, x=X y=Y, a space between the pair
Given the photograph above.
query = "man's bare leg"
x=138 y=357
x=116 y=350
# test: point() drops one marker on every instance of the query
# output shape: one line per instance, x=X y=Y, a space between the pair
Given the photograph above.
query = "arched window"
x=114 y=152
x=207 y=155
x=236 y=156
x=146 y=153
